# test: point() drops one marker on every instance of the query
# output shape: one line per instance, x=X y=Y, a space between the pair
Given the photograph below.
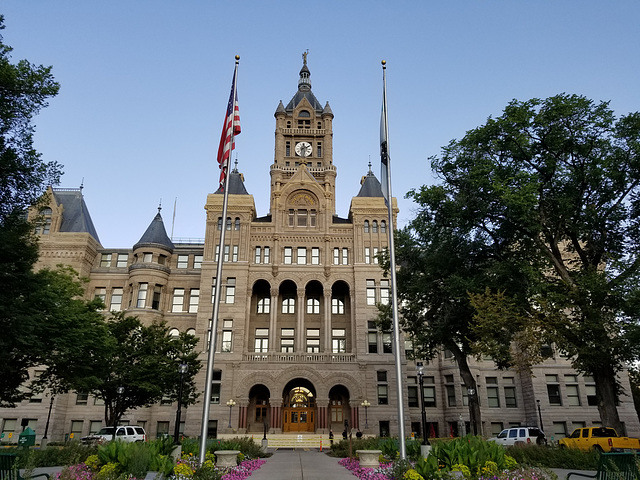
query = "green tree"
x=24 y=91
x=42 y=315
x=553 y=186
x=142 y=359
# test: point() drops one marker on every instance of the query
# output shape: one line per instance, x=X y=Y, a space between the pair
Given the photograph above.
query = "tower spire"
x=304 y=84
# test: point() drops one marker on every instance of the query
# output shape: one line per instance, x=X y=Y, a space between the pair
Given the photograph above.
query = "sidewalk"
x=301 y=465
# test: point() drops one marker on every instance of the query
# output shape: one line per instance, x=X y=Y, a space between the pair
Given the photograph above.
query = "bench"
x=614 y=466
x=9 y=469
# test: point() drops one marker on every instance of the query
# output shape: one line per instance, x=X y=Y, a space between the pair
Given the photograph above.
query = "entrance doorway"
x=298 y=409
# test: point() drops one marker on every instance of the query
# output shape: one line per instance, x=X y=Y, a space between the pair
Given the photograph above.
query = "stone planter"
x=369 y=458
x=226 y=458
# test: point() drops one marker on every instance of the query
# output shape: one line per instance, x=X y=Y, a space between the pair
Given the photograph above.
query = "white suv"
x=124 y=433
x=520 y=435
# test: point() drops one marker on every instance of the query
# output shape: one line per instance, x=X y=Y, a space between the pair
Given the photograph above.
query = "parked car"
x=124 y=433
x=602 y=439
x=520 y=436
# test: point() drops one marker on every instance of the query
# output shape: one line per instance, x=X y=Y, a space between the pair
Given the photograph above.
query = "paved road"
x=301 y=465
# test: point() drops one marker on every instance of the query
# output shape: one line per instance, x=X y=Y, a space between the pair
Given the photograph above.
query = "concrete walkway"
x=301 y=465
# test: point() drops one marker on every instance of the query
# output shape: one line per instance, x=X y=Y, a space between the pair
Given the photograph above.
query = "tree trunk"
x=605 y=379
x=475 y=418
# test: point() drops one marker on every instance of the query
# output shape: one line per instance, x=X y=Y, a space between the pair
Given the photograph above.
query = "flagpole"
x=386 y=175
x=218 y=286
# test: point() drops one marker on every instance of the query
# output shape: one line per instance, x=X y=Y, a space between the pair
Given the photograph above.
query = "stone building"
x=297 y=347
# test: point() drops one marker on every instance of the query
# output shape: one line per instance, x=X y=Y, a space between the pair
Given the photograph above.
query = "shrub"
x=554 y=457
x=70 y=453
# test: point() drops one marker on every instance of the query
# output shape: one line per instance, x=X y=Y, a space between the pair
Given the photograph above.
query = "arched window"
x=219 y=223
x=383 y=227
x=374 y=228
x=174 y=332
x=237 y=224
x=264 y=305
x=366 y=226
x=304 y=113
x=228 y=223
x=289 y=305
x=313 y=305
x=337 y=306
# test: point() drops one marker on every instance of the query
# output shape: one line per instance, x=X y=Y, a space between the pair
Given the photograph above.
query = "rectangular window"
x=493 y=398
x=226 y=252
x=194 y=299
x=372 y=336
x=231 y=290
x=451 y=395
x=147 y=257
x=412 y=396
x=234 y=256
x=178 y=300
x=302 y=256
x=384 y=292
x=573 y=395
x=82 y=398
x=142 y=295
x=262 y=340
x=287 y=339
x=94 y=426
x=183 y=261
x=510 y=397
x=315 y=256
x=267 y=255
x=76 y=428
x=559 y=430
x=215 y=386
x=292 y=217
x=197 y=261
x=367 y=255
x=387 y=344
x=345 y=256
x=429 y=395
x=338 y=340
x=383 y=395
x=313 y=340
x=337 y=306
x=371 y=292
x=313 y=306
x=289 y=305
x=375 y=255
x=105 y=260
x=553 y=390
x=336 y=256
x=123 y=259
x=100 y=294
x=288 y=255
x=116 y=299
x=213 y=290
x=227 y=337
x=319 y=149
x=258 y=255
x=155 y=304
x=217 y=256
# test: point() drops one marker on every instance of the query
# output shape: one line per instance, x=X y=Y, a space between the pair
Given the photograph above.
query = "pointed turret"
x=370 y=185
x=236 y=183
x=155 y=235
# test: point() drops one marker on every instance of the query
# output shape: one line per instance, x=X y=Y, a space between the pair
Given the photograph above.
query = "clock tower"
x=303 y=170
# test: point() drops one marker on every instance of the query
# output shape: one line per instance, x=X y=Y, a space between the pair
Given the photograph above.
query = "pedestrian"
x=358 y=434
x=344 y=434
x=331 y=437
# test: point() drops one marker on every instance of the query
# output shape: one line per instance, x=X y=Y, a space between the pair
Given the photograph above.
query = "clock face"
x=303 y=149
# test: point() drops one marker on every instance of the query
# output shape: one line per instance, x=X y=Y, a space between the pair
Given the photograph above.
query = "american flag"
x=230 y=128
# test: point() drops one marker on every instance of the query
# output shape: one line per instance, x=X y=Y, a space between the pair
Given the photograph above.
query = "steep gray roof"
x=155 y=235
x=75 y=214
x=304 y=91
x=370 y=186
x=236 y=184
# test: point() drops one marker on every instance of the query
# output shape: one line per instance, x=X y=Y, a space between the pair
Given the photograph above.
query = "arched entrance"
x=339 y=409
x=299 y=407
x=258 y=411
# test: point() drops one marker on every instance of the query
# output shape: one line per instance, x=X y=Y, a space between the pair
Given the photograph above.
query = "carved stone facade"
x=296 y=345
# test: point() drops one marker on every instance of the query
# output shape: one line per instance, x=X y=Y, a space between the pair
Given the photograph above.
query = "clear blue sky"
x=144 y=86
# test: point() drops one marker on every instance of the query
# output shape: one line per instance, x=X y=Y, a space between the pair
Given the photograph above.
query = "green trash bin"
x=27 y=438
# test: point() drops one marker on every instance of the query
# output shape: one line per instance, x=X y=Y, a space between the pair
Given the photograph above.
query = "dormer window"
x=304 y=119
x=44 y=226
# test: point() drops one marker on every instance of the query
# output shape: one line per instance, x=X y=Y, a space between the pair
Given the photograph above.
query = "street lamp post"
x=182 y=369
x=471 y=392
x=540 y=415
x=366 y=404
x=231 y=403
x=120 y=391
x=420 y=372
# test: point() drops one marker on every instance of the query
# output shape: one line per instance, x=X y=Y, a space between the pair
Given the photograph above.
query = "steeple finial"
x=160 y=206
x=304 y=84
x=304 y=57
x=370 y=172
x=235 y=166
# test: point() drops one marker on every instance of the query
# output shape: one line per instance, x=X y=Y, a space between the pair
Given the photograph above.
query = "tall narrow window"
x=219 y=223
x=155 y=304
x=367 y=255
x=319 y=150
x=336 y=256
x=227 y=336
x=383 y=227
x=236 y=224
x=213 y=290
x=287 y=148
x=371 y=292
x=142 y=295
x=100 y=294
x=288 y=255
x=553 y=390
x=337 y=306
x=510 y=400
x=258 y=255
x=493 y=398
x=267 y=255
x=384 y=292
x=374 y=226
x=573 y=392
x=375 y=255
x=194 y=299
x=226 y=253
x=178 y=300
x=383 y=392
x=116 y=300
x=228 y=225
x=315 y=256
x=345 y=256
x=234 y=256
x=366 y=226
x=231 y=290
x=429 y=392
x=372 y=336
x=262 y=340
x=215 y=391
x=287 y=339
x=197 y=261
